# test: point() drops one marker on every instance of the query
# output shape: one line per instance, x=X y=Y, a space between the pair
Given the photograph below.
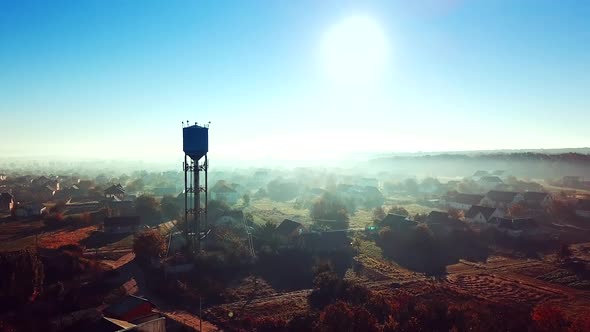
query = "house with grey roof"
x=478 y=214
x=501 y=199
x=537 y=200
x=463 y=201
x=225 y=193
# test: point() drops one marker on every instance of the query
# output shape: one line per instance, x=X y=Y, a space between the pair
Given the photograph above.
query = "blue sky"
x=115 y=79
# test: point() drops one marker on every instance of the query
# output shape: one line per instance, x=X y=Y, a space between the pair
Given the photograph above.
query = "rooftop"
x=287 y=227
x=501 y=196
x=534 y=196
x=468 y=199
x=484 y=210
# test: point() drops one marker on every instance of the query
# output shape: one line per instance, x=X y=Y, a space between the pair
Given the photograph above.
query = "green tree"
x=146 y=207
x=378 y=213
x=246 y=199
x=148 y=244
x=399 y=210
x=135 y=185
x=171 y=208
x=411 y=186
x=330 y=212
x=281 y=191
x=565 y=253
x=266 y=235
x=21 y=276
x=249 y=218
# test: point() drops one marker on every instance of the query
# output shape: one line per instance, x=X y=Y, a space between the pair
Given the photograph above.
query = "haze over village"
x=379 y=166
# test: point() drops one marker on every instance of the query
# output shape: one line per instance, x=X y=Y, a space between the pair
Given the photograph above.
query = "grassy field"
x=264 y=210
x=267 y=210
x=361 y=218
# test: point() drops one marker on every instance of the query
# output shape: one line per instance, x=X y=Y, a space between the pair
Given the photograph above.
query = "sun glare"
x=355 y=50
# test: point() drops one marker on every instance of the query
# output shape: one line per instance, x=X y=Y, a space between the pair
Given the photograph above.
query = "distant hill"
x=548 y=164
x=585 y=150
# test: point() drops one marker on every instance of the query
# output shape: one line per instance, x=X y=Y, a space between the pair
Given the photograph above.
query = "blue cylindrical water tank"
x=195 y=141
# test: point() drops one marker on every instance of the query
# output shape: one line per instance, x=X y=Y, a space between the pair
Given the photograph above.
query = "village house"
x=479 y=174
x=82 y=206
x=115 y=191
x=118 y=208
x=583 y=208
x=396 y=221
x=6 y=202
x=27 y=210
x=482 y=214
x=85 y=185
x=289 y=229
x=442 y=224
x=121 y=224
x=39 y=181
x=3 y=177
x=516 y=227
x=463 y=201
x=42 y=194
x=501 y=199
x=489 y=182
x=537 y=200
x=223 y=192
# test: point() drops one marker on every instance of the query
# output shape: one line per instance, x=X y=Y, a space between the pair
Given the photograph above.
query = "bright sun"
x=355 y=50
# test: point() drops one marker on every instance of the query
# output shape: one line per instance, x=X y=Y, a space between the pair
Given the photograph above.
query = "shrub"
x=148 y=244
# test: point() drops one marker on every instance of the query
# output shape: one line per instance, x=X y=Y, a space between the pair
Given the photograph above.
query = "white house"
x=501 y=199
x=482 y=214
x=583 y=208
x=223 y=192
x=463 y=201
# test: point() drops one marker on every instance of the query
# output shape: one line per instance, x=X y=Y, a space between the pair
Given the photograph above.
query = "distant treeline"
x=520 y=164
x=517 y=156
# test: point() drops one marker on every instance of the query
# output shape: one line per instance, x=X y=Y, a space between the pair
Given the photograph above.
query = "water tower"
x=195 y=143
